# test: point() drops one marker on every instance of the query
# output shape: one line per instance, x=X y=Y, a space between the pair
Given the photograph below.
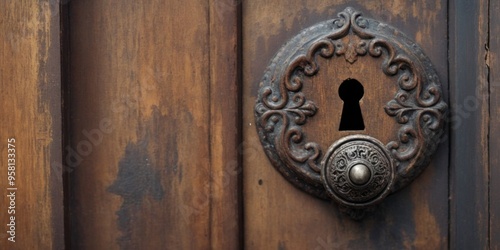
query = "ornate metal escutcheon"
x=357 y=171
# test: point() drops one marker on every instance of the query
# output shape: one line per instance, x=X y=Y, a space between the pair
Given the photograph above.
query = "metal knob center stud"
x=360 y=174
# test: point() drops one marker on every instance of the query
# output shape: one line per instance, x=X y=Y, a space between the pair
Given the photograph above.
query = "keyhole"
x=351 y=91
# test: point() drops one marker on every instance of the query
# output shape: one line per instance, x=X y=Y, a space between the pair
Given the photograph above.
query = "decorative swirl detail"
x=282 y=109
x=417 y=138
x=293 y=137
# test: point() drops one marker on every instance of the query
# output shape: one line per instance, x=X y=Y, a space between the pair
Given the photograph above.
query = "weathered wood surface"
x=226 y=215
x=156 y=83
x=469 y=160
x=153 y=127
x=31 y=114
x=493 y=63
x=279 y=216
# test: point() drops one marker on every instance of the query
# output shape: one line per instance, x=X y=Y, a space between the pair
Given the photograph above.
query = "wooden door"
x=134 y=127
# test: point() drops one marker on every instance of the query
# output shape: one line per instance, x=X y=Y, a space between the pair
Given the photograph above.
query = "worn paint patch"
x=136 y=179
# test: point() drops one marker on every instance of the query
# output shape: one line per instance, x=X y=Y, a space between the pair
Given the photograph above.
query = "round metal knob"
x=360 y=174
x=357 y=171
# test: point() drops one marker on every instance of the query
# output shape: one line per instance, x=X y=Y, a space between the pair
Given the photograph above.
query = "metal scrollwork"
x=282 y=108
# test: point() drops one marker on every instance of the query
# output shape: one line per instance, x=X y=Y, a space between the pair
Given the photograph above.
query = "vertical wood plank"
x=469 y=125
x=278 y=215
x=141 y=175
x=66 y=117
x=31 y=114
x=225 y=209
x=493 y=63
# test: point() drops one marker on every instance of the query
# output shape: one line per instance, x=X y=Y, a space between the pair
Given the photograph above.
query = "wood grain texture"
x=225 y=125
x=493 y=63
x=279 y=216
x=154 y=96
x=31 y=113
x=469 y=214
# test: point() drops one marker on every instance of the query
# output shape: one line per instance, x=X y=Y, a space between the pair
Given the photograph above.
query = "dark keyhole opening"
x=351 y=91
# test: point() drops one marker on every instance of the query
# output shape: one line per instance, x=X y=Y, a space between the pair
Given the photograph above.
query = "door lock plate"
x=358 y=170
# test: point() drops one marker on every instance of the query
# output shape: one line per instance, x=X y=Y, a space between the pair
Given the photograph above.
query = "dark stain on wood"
x=148 y=168
x=389 y=230
x=136 y=179
x=281 y=245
